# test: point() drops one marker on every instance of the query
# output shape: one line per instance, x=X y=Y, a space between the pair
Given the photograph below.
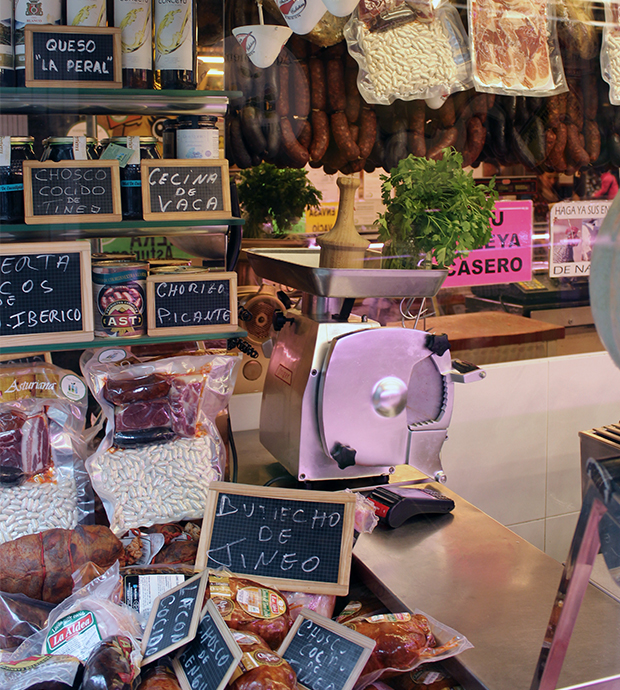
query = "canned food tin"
x=158 y=263
x=120 y=301
x=159 y=270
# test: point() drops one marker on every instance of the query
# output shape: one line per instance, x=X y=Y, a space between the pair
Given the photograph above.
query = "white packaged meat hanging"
x=610 y=51
x=514 y=48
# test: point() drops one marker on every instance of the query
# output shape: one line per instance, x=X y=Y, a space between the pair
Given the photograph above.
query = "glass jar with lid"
x=61 y=149
x=197 y=136
x=12 y=178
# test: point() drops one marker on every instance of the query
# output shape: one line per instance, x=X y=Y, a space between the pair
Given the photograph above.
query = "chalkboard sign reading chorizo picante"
x=72 y=192
x=209 y=660
x=294 y=539
x=186 y=189
x=325 y=654
x=174 y=618
x=45 y=293
x=77 y=56
x=192 y=303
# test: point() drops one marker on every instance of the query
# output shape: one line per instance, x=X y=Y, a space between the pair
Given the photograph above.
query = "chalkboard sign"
x=173 y=189
x=45 y=293
x=209 y=660
x=325 y=654
x=192 y=303
x=72 y=192
x=174 y=618
x=297 y=540
x=80 y=56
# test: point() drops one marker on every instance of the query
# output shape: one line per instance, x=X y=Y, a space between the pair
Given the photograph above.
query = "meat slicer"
x=343 y=397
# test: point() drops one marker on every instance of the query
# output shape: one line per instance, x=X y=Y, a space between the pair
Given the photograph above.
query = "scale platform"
x=299 y=269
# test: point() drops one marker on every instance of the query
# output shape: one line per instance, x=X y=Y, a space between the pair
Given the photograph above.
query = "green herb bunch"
x=275 y=195
x=435 y=212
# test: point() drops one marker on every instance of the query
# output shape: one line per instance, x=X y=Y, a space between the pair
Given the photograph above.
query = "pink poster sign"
x=507 y=257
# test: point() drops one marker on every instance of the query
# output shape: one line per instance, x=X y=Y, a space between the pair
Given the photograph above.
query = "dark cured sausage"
x=335 y=85
x=342 y=136
x=476 y=134
x=300 y=84
x=320 y=135
x=578 y=154
x=318 y=93
x=446 y=138
x=368 y=132
x=557 y=159
x=354 y=99
x=283 y=103
x=592 y=140
x=298 y=154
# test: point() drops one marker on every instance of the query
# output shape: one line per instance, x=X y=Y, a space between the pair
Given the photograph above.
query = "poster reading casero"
x=573 y=228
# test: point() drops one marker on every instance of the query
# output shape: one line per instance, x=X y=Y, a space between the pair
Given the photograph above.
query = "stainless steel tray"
x=299 y=269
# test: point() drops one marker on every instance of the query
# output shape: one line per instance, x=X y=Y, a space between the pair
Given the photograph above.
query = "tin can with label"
x=120 y=299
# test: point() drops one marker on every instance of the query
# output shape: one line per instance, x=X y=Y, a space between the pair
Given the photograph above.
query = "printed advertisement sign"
x=573 y=228
x=507 y=257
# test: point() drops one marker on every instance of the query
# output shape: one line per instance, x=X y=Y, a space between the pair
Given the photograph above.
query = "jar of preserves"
x=197 y=136
x=61 y=149
x=12 y=179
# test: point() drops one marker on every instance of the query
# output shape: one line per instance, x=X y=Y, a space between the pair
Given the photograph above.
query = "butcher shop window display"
x=435 y=212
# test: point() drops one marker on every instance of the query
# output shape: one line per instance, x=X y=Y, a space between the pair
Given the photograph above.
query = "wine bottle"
x=31 y=12
x=135 y=19
x=86 y=13
x=7 y=69
x=175 y=44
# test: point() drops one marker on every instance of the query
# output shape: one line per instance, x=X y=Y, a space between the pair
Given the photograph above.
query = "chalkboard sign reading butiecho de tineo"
x=79 y=56
x=72 y=192
x=294 y=539
x=185 y=189
x=45 y=293
x=192 y=303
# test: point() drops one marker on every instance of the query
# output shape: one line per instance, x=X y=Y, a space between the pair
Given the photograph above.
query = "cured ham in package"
x=514 y=48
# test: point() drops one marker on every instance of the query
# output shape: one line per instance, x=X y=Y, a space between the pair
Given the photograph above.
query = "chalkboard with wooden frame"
x=294 y=539
x=46 y=293
x=185 y=189
x=73 y=56
x=72 y=192
x=193 y=303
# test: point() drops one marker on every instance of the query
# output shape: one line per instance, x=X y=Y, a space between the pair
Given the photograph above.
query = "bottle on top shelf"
x=135 y=19
x=31 y=12
x=7 y=69
x=175 y=44
x=86 y=13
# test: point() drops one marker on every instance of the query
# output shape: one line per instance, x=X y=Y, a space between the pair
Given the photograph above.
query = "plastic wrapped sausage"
x=260 y=668
x=109 y=665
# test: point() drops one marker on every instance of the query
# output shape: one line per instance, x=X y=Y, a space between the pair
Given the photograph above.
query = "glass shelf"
x=233 y=332
x=22 y=100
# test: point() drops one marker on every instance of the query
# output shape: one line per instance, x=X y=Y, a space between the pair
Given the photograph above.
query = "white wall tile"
x=559 y=535
x=533 y=532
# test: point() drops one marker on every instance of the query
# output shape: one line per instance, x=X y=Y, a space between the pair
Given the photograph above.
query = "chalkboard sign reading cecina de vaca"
x=297 y=540
x=187 y=189
x=192 y=303
x=72 y=192
x=81 y=56
x=45 y=293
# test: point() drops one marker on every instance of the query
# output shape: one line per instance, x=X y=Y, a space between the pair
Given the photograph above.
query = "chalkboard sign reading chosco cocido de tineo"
x=174 y=618
x=209 y=660
x=294 y=539
x=72 y=192
x=323 y=653
x=79 y=56
x=45 y=293
x=185 y=189
x=192 y=303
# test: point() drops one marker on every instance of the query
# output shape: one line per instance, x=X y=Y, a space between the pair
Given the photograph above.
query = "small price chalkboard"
x=323 y=653
x=174 y=618
x=297 y=540
x=45 y=293
x=185 y=189
x=80 y=56
x=192 y=303
x=208 y=662
x=72 y=192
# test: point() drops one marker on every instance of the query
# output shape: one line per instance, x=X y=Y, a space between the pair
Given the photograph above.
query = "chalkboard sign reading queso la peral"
x=45 y=293
x=174 y=618
x=80 y=56
x=72 y=192
x=186 y=189
x=192 y=303
x=296 y=540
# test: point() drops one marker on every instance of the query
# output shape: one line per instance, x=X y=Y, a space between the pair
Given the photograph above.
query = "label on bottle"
x=32 y=12
x=5 y=152
x=6 y=34
x=86 y=13
x=79 y=149
x=198 y=143
x=135 y=21
x=174 y=23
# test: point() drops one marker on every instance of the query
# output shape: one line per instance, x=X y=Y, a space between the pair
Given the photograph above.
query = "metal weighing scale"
x=345 y=398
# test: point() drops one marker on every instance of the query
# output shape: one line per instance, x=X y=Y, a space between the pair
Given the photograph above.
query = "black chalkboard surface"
x=81 y=56
x=298 y=540
x=185 y=189
x=191 y=303
x=174 y=618
x=325 y=654
x=209 y=660
x=45 y=293
x=72 y=192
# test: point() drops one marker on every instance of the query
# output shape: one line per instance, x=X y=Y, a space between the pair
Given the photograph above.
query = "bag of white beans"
x=43 y=484
x=162 y=448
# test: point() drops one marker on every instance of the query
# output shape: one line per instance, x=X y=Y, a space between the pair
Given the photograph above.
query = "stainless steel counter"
x=470 y=572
